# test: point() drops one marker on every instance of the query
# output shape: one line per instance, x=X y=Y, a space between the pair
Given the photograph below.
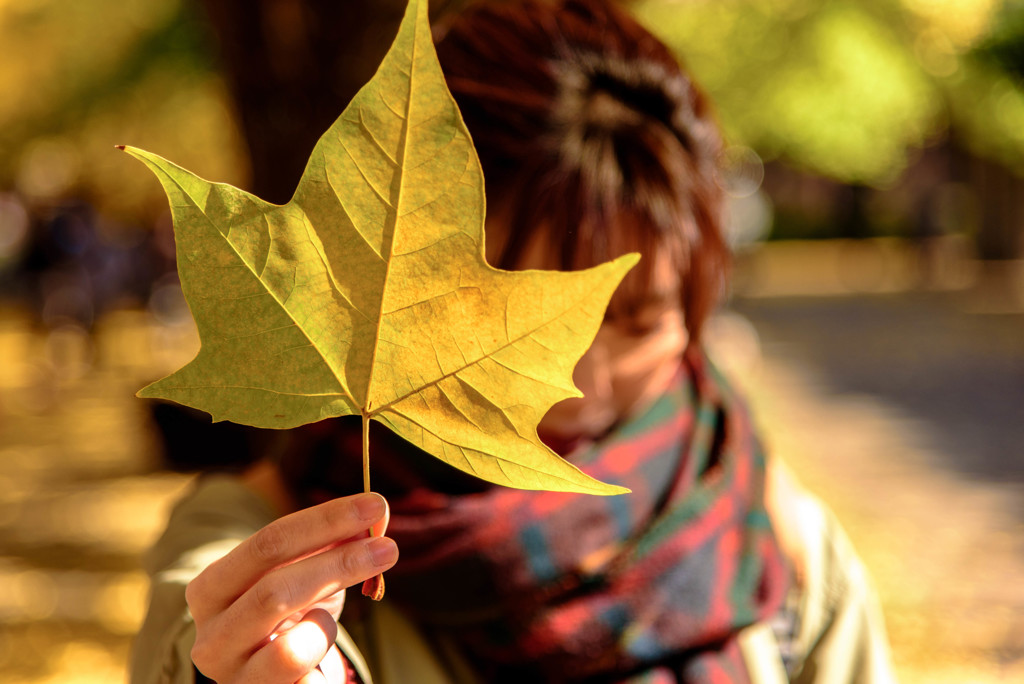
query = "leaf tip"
x=629 y=260
x=152 y=391
x=599 y=488
x=119 y=147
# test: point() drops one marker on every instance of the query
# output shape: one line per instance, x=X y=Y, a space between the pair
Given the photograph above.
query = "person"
x=717 y=567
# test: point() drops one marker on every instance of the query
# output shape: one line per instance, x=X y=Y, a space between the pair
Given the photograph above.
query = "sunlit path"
x=856 y=395
x=79 y=497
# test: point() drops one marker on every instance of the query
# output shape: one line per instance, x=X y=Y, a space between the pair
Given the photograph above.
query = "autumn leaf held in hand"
x=368 y=292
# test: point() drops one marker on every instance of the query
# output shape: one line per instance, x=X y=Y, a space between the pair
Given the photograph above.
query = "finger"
x=218 y=639
x=298 y=586
x=333 y=667
x=283 y=541
x=381 y=526
x=315 y=676
x=378 y=528
x=295 y=653
x=333 y=604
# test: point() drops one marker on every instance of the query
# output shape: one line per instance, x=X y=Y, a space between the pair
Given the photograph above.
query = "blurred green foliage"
x=988 y=98
x=847 y=88
x=77 y=78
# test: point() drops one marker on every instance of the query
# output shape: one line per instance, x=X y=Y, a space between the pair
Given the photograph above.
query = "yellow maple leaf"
x=368 y=293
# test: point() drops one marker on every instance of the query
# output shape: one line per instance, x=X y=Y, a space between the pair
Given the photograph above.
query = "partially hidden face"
x=633 y=358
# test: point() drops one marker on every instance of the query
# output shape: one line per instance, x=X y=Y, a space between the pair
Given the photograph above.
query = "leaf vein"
x=257 y=389
x=432 y=244
x=289 y=349
x=330 y=271
x=388 y=105
x=260 y=332
x=341 y=204
x=462 y=413
x=428 y=300
x=366 y=179
x=437 y=115
x=403 y=148
x=369 y=132
x=502 y=409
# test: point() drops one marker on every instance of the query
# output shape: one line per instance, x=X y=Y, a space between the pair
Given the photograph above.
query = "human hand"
x=266 y=612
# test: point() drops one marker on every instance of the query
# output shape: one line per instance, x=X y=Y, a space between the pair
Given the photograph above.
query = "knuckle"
x=200 y=591
x=338 y=514
x=194 y=592
x=269 y=544
x=272 y=594
x=203 y=656
x=351 y=561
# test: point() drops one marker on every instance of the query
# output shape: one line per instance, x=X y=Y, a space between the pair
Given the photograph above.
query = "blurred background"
x=877 y=315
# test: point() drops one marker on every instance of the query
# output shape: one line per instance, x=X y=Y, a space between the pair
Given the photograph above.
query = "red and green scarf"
x=651 y=586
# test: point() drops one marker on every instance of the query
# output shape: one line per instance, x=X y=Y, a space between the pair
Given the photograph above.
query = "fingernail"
x=384 y=551
x=369 y=506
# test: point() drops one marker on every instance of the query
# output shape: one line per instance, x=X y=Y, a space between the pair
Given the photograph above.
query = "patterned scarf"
x=646 y=587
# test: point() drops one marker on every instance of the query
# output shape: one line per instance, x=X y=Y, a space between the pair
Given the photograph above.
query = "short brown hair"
x=586 y=123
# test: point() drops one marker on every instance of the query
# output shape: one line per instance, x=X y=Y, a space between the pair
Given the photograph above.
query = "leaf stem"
x=373 y=587
x=366 y=452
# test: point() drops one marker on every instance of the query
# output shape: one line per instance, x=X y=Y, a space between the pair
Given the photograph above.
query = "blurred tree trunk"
x=1002 y=214
x=851 y=219
x=292 y=67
